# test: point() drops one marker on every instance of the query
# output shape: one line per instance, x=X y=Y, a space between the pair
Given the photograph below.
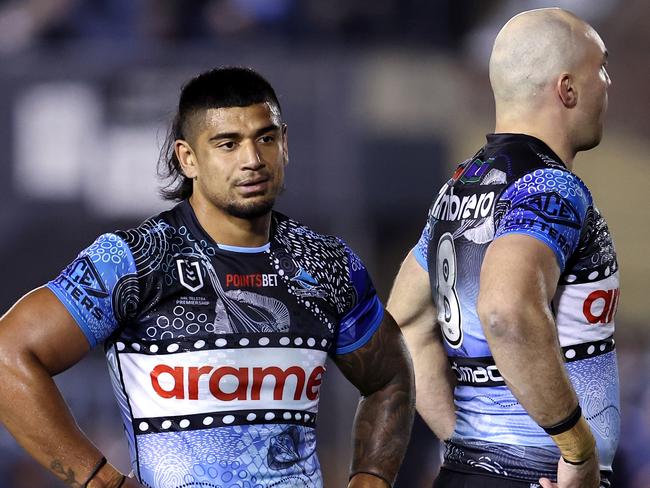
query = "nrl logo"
x=189 y=273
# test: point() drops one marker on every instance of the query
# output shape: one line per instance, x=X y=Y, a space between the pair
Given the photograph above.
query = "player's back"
x=516 y=184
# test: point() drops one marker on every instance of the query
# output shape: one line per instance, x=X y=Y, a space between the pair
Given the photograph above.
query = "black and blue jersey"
x=516 y=184
x=217 y=353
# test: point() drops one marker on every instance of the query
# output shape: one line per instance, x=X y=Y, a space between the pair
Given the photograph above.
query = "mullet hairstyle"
x=218 y=88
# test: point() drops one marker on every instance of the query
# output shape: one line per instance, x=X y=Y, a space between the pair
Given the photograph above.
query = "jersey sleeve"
x=421 y=249
x=548 y=204
x=360 y=322
x=98 y=287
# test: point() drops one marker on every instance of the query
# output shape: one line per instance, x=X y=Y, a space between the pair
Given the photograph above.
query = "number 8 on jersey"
x=447 y=302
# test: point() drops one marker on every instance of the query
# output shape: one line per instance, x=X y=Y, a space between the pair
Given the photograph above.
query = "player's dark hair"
x=217 y=88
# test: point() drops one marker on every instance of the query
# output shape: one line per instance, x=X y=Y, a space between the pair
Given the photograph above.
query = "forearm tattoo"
x=68 y=476
x=383 y=373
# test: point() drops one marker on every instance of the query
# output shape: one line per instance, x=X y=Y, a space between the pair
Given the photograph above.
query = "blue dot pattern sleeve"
x=549 y=205
x=421 y=249
x=87 y=287
x=360 y=322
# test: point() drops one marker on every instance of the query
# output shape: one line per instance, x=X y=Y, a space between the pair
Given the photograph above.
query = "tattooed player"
x=217 y=317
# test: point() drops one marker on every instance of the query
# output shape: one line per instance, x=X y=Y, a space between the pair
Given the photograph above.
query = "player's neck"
x=227 y=229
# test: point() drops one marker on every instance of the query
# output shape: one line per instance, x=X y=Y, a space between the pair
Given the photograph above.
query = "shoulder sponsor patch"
x=552 y=208
x=84 y=273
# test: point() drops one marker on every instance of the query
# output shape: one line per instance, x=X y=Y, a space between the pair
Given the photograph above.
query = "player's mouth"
x=253 y=186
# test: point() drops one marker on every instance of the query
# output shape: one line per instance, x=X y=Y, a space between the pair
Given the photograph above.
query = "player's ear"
x=567 y=90
x=186 y=157
x=285 y=144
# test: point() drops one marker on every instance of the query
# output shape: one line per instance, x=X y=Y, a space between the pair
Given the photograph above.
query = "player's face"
x=594 y=82
x=240 y=155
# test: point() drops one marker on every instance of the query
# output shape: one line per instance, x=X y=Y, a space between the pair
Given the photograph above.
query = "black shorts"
x=454 y=479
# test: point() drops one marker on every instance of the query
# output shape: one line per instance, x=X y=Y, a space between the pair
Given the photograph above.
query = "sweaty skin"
x=236 y=157
x=549 y=78
x=39 y=339
x=529 y=51
x=240 y=145
x=411 y=304
x=383 y=373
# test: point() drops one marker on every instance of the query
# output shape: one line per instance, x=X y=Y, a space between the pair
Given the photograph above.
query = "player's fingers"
x=546 y=483
x=131 y=483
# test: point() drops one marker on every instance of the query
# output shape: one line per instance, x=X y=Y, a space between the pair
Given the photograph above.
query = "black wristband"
x=566 y=424
x=100 y=464
x=573 y=463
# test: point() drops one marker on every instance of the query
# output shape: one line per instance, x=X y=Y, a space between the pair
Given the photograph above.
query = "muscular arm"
x=518 y=280
x=38 y=339
x=411 y=304
x=382 y=372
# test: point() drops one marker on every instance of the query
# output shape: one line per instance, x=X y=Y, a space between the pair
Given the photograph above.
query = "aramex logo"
x=245 y=383
x=600 y=306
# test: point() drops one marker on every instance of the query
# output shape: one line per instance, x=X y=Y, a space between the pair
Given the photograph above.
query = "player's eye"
x=603 y=72
x=227 y=145
x=267 y=139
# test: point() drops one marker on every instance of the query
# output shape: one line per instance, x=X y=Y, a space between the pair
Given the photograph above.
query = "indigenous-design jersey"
x=217 y=353
x=516 y=184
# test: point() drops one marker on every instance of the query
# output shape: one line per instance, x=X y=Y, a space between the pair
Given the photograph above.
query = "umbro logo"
x=189 y=273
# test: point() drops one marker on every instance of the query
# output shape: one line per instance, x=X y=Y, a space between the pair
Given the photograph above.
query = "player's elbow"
x=13 y=359
x=17 y=360
x=396 y=383
x=502 y=320
x=15 y=371
x=9 y=352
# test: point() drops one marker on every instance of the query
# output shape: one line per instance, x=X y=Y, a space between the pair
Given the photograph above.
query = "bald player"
x=507 y=302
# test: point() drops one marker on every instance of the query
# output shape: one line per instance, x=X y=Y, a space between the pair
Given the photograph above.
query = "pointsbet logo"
x=253 y=280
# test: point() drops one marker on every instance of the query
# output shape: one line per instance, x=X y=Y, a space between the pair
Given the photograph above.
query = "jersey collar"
x=198 y=231
x=504 y=138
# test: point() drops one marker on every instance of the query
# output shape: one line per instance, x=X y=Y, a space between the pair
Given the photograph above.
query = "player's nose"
x=251 y=157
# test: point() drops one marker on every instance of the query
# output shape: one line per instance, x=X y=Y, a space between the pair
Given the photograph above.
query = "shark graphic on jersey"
x=216 y=353
x=516 y=184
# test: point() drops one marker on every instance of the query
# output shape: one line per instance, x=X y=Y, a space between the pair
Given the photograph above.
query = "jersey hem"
x=376 y=322
x=73 y=313
x=558 y=256
x=420 y=258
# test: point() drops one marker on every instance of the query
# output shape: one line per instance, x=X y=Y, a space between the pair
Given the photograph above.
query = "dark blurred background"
x=382 y=99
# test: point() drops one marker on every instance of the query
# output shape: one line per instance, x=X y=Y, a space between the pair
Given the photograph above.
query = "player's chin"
x=592 y=141
x=252 y=207
x=596 y=140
